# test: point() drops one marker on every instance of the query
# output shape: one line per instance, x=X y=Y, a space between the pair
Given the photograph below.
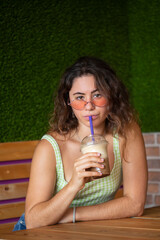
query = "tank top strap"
x=116 y=148
x=56 y=149
x=60 y=181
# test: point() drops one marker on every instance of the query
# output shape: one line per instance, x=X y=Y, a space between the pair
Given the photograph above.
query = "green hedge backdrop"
x=39 y=39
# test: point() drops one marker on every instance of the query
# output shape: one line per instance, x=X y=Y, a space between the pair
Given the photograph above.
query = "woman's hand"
x=81 y=172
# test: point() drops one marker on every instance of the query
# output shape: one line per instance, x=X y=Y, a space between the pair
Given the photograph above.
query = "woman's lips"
x=93 y=117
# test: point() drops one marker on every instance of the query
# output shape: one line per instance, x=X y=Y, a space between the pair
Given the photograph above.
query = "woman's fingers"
x=88 y=174
x=82 y=169
x=90 y=154
x=94 y=157
x=88 y=165
x=83 y=165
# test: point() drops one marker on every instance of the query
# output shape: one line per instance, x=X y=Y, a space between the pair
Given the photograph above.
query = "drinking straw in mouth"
x=91 y=125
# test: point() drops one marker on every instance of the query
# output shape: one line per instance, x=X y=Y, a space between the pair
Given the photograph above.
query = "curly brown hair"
x=121 y=113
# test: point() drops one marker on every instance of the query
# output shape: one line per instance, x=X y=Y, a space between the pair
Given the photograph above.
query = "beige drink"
x=97 y=143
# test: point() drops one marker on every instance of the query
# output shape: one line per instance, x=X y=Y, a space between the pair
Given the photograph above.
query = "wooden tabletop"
x=139 y=228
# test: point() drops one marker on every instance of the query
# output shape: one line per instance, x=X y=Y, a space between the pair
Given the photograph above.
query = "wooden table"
x=141 y=228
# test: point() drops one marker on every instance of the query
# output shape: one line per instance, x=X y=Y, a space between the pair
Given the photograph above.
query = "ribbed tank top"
x=97 y=191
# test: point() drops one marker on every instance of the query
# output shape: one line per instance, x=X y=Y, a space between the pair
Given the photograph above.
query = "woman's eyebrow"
x=94 y=91
x=78 y=93
x=84 y=93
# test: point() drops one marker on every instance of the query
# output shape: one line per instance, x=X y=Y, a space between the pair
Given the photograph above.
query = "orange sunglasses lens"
x=100 y=102
x=78 y=104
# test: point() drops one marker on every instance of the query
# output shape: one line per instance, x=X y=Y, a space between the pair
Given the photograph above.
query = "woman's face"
x=84 y=88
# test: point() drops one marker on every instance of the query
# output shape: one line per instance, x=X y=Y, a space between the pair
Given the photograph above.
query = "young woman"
x=60 y=189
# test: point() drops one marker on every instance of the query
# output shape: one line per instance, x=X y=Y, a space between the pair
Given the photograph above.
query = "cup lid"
x=92 y=139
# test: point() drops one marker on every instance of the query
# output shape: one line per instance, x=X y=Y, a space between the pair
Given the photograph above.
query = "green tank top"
x=95 y=192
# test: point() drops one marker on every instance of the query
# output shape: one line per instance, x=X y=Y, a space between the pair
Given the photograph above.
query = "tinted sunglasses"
x=79 y=104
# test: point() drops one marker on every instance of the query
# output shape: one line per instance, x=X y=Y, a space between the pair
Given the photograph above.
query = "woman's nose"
x=89 y=106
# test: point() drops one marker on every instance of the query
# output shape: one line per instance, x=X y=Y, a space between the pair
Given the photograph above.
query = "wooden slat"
x=153 y=213
x=12 y=210
x=6 y=228
x=15 y=171
x=13 y=190
x=17 y=150
x=121 y=229
x=90 y=230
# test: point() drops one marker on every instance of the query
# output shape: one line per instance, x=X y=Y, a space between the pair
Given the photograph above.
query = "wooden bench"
x=15 y=161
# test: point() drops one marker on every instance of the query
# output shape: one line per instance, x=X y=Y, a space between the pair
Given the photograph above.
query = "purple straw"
x=91 y=125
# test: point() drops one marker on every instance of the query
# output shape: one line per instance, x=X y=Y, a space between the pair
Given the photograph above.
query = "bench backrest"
x=15 y=161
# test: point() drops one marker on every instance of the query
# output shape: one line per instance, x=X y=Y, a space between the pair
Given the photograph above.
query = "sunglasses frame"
x=70 y=104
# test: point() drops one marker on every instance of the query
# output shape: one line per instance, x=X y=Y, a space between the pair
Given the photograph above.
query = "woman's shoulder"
x=133 y=130
x=133 y=136
x=55 y=139
x=44 y=145
x=56 y=136
x=44 y=151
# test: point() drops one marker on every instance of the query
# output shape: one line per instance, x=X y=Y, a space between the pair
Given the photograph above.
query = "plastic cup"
x=97 y=143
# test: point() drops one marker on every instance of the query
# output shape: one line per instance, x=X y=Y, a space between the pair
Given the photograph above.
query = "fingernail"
x=102 y=166
x=102 y=159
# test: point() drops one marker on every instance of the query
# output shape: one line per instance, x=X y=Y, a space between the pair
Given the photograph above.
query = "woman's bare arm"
x=42 y=208
x=134 y=185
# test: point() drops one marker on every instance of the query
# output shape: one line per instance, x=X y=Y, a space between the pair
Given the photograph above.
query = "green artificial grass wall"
x=144 y=35
x=39 y=39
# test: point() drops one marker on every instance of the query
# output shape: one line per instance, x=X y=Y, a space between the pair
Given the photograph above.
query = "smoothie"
x=97 y=143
